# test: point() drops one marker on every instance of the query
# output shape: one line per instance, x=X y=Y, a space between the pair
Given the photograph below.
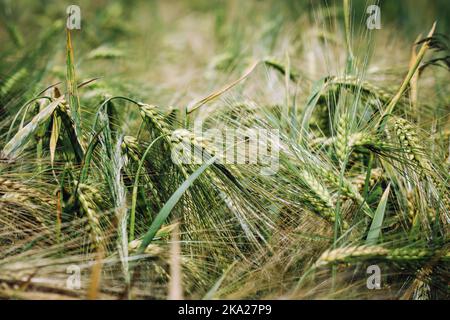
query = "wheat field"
x=94 y=204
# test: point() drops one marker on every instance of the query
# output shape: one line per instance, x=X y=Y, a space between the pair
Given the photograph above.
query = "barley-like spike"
x=153 y=117
x=9 y=83
x=346 y=254
x=410 y=144
x=421 y=284
x=351 y=254
x=202 y=149
x=201 y=145
x=23 y=191
x=132 y=150
x=354 y=140
x=360 y=180
x=366 y=86
x=412 y=207
x=319 y=197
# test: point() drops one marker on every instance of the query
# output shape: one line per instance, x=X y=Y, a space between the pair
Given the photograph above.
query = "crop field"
x=244 y=150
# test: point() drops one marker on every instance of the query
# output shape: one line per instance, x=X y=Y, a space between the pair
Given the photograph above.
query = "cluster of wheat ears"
x=87 y=181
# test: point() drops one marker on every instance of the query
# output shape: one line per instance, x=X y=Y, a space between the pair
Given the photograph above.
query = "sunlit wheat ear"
x=346 y=187
x=408 y=139
x=201 y=148
x=18 y=192
x=202 y=151
x=134 y=153
x=86 y=196
x=421 y=284
x=7 y=185
x=357 y=253
x=414 y=152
